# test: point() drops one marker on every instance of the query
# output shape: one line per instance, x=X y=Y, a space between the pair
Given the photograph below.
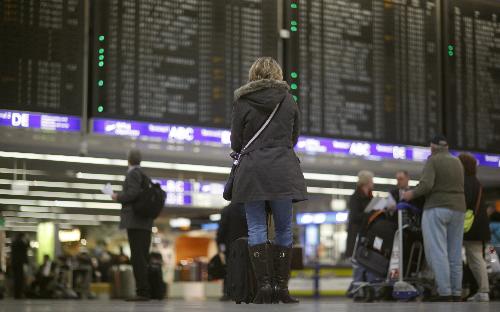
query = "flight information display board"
x=176 y=61
x=472 y=74
x=41 y=55
x=367 y=69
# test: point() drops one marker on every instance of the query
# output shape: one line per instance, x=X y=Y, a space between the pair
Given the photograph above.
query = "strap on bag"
x=478 y=203
x=236 y=156
x=264 y=126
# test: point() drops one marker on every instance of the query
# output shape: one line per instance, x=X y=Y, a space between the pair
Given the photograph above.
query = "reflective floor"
x=339 y=305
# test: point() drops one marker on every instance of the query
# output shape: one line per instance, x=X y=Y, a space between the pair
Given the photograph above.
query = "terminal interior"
x=85 y=81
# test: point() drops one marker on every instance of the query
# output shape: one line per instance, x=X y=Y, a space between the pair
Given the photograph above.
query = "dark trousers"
x=18 y=275
x=140 y=241
x=226 y=285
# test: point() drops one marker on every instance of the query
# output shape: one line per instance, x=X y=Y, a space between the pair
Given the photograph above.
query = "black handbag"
x=237 y=157
x=216 y=268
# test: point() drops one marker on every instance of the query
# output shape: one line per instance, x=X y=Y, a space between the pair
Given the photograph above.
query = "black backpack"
x=151 y=200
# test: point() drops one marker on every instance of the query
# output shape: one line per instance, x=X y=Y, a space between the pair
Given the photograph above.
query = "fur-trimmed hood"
x=264 y=94
x=260 y=85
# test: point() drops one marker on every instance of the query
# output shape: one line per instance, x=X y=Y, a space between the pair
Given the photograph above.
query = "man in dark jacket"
x=138 y=228
x=442 y=184
x=19 y=258
x=232 y=225
x=403 y=178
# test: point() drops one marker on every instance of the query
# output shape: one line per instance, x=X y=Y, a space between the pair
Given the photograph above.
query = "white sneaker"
x=480 y=297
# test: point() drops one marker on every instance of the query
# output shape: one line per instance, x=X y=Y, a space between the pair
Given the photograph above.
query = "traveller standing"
x=269 y=172
x=357 y=204
x=442 y=184
x=495 y=229
x=479 y=233
x=138 y=228
x=403 y=185
x=19 y=258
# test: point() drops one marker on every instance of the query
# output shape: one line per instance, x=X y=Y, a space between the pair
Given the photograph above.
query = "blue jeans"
x=443 y=231
x=257 y=222
x=360 y=274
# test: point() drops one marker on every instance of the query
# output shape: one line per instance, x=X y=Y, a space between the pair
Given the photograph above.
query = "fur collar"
x=259 y=85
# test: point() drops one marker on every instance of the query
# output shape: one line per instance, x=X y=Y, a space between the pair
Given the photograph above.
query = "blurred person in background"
x=357 y=205
x=43 y=285
x=19 y=259
x=269 y=172
x=442 y=184
x=139 y=229
x=232 y=225
x=494 y=216
x=479 y=233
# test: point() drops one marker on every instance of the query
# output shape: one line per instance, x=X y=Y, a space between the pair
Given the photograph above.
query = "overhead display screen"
x=472 y=74
x=42 y=56
x=367 y=69
x=176 y=61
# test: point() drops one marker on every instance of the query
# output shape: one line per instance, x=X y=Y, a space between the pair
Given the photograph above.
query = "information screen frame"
x=458 y=118
x=212 y=94
x=46 y=80
x=387 y=134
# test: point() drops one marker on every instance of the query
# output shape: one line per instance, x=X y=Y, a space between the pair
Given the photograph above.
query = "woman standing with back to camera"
x=269 y=173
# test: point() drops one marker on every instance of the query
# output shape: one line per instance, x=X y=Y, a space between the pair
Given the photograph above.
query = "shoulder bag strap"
x=145 y=179
x=264 y=126
x=478 y=203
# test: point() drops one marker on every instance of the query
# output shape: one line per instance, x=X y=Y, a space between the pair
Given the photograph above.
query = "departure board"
x=176 y=61
x=41 y=55
x=366 y=69
x=472 y=75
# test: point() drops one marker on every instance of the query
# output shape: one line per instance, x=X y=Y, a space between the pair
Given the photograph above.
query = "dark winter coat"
x=269 y=169
x=357 y=204
x=480 y=230
x=132 y=187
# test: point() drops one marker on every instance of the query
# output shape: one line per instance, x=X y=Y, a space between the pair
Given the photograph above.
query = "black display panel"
x=472 y=74
x=176 y=61
x=366 y=69
x=41 y=55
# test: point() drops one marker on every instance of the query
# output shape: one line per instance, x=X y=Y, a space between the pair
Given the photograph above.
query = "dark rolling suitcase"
x=240 y=277
x=242 y=285
x=158 y=286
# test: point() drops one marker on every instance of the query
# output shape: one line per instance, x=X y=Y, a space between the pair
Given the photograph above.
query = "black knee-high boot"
x=282 y=261
x=259 y=256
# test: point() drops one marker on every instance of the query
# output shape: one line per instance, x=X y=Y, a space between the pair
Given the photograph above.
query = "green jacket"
x=442 y=182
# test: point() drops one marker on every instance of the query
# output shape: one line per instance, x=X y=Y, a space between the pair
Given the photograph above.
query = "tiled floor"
x=340 y=305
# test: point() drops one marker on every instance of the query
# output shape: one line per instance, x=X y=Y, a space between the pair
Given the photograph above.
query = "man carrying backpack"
x=138 y=227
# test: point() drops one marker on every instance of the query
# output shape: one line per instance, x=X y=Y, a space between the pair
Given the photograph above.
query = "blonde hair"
x=265 y=68
x=365 y=177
